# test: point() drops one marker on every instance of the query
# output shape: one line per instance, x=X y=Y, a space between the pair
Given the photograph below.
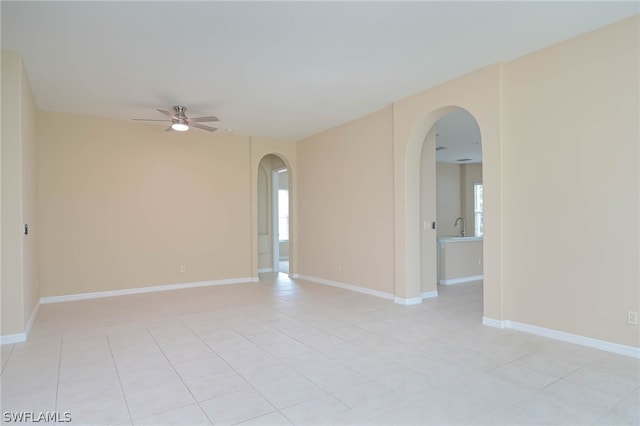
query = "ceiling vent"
x=462 y=160
x=440 y=148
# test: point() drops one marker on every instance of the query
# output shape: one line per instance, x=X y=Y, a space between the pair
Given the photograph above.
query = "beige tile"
x=214 y=385
x=144 y=402
x=289 y=391
x=323 y=355
x=602 y=382
x=98 y=411
x=581 y=398
x=190 y=415
x=626 y=412
x=546 y=365
x=271 y=419
x=335 y=377
x=522 y=375
x=318 y=411
x=212 y=364
x=236 y=407
x=78 y=392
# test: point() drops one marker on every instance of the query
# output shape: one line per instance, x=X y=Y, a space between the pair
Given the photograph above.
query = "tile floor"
x=282 y=352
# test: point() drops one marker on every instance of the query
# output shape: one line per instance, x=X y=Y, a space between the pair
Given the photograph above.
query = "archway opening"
x=273 y=216
x=451 y=186
x=420 y=257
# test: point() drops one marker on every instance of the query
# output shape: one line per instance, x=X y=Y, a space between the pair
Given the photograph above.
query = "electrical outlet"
x=632 y=317
x=183 y=268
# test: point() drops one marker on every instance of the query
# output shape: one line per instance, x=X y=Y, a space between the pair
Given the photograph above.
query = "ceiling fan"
x=180 y=122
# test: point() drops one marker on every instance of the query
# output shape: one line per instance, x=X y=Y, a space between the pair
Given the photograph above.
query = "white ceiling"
x=283 y=70
x=458 y=137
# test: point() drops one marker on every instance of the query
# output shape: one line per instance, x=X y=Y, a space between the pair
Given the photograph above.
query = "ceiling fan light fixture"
x=180 y=126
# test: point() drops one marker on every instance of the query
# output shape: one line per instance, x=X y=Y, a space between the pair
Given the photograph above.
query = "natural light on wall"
x=478 y=209
x=283 y=214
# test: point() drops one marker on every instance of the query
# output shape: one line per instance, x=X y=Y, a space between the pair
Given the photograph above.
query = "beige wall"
x=428 y=214
x=125 y=205
x=571 y=170
x=460 y=259
x=346 y=214
x=448 y=198
x=19 y=277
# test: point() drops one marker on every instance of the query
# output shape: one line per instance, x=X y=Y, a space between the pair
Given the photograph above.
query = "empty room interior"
x=276 y=213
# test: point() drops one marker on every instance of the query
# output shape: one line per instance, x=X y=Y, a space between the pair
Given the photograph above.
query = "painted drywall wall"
x=20 y=289
x=125 y=205
x=448 y=199
x=344 y=202
x=460 y=259
x=428 y=214
x=571 y=169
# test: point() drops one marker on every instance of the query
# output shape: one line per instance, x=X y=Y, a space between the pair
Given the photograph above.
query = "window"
x=283 y=214
x=478 y=210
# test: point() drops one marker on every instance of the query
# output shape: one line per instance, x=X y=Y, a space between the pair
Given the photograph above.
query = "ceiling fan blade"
x=203 y=127
x=168 y=129
x=147 y=119
x=203 y=119
x=168 y=114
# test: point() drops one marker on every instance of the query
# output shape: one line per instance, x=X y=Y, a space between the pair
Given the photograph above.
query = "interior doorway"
x=281 y=220
x=273 y=226
x=451 y=195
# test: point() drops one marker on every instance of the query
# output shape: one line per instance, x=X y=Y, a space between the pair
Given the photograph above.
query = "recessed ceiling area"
x=283 y=70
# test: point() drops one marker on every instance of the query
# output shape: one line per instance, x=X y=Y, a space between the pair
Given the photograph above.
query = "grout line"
x=4 y=364
x=231 y=367
x=59 y=369
x=115 y=365
x=178 y=374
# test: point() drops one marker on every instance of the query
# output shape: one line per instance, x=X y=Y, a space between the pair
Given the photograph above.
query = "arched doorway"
x=410 y=286
x=273 y=225
x=451 y=191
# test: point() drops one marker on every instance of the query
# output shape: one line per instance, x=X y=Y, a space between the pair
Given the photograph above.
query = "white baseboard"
x=350 y=287
x=429 y=294
x=617 y=348
x=13 y=338
x=407 y=301
x=21 y=337
x=150 y=289
x=461 y=280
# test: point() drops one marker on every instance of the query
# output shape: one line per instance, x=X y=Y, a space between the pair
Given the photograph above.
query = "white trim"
x=429 y=294
x=407 y=301
x=617 y=348
x=255 y=279
x=493 y=322
x=150 y=289
x=461 y=280
x=350 y=287
x=21 y=337
x=13 y=338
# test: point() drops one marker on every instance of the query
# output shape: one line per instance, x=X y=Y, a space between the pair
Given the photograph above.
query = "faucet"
x=463 y=232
